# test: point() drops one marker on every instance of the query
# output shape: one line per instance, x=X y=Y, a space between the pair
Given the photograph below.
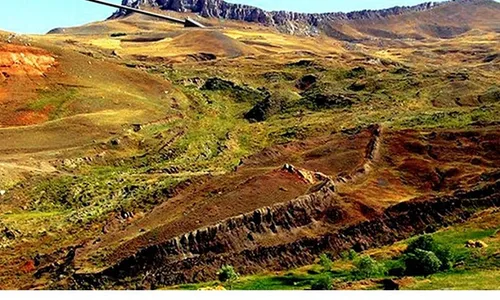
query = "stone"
x=136 y=127
x=10 y=234
x=115 y=142
x=481 y=244
x=475 y=244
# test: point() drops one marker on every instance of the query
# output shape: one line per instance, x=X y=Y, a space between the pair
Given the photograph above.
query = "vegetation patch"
x=276 y=103
x=321 y=97
x=53 y=101
x=92 y=197
x=239 y=93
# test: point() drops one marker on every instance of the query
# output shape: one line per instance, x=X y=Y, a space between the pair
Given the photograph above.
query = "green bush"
x=367 y=267
x=427 y=243
x=324 y=283
x=352 y=255
x=227 y=274
x=424 y=242
x=396 y=268
x=325 y=262
x=446 y=257
x=422 y=262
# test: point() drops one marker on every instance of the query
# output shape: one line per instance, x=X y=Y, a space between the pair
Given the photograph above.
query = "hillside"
x=138 y=154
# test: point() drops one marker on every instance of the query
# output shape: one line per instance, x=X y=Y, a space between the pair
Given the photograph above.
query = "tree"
x=227 y=274
x=424 y=242
x=325 y=262
x=323 y=283
x=446 y=257
x=427 y=243
x=422 y=262
x=367 y=267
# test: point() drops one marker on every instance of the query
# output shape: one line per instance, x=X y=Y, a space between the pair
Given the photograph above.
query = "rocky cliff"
x=284 y=20
x=196 y=256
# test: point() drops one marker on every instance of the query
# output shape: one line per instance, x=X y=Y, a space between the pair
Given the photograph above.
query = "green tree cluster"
x=424 y=256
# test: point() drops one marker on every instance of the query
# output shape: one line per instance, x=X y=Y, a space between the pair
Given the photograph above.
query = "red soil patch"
x=22 y=71
x=18 y=60
x=28 y=267
x=26 y=117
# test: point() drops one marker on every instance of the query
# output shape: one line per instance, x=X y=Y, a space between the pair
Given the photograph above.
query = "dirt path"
x=44 y=168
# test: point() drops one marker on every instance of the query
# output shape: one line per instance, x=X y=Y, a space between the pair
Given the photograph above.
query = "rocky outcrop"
x=196 y=256
x=282 y=19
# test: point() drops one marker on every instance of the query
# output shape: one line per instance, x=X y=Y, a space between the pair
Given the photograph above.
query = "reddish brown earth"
x=361 y=176
x=22 y=70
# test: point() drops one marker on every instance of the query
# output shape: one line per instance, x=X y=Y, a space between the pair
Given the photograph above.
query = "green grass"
x=93 y=196
x=53 y=100
x=449 y=119
x=290 y=281
x=460 y=280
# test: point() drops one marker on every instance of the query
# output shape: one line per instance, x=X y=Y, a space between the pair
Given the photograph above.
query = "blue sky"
x=39 y=16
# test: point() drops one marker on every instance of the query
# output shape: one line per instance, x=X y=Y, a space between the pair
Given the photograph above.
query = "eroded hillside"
x=138 y=154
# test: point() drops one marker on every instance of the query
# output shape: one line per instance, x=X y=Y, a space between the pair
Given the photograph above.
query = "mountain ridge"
x=286 y=21
x=243 y=12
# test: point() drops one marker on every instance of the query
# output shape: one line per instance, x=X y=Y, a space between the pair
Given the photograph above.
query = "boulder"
x=481 y=244
x=115 y=142
x=475 y=244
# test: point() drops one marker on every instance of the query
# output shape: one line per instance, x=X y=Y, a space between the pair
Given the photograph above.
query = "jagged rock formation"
x=293 y=233
x=196 y=255
x=240 y=12
x=290 y=22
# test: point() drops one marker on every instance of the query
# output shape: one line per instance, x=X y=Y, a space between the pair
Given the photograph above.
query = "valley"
x=137 y=154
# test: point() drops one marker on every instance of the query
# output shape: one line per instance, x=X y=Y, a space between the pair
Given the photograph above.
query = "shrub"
x=227 y=274
x=271 y=105
x=424 y=242
x=422 y=262
x=446 y=257
x=325 y=262
x=396 y=268
x=352 y=255
x=427 y=243
x=118 y=34
x=324 y=283
x=367 y=267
